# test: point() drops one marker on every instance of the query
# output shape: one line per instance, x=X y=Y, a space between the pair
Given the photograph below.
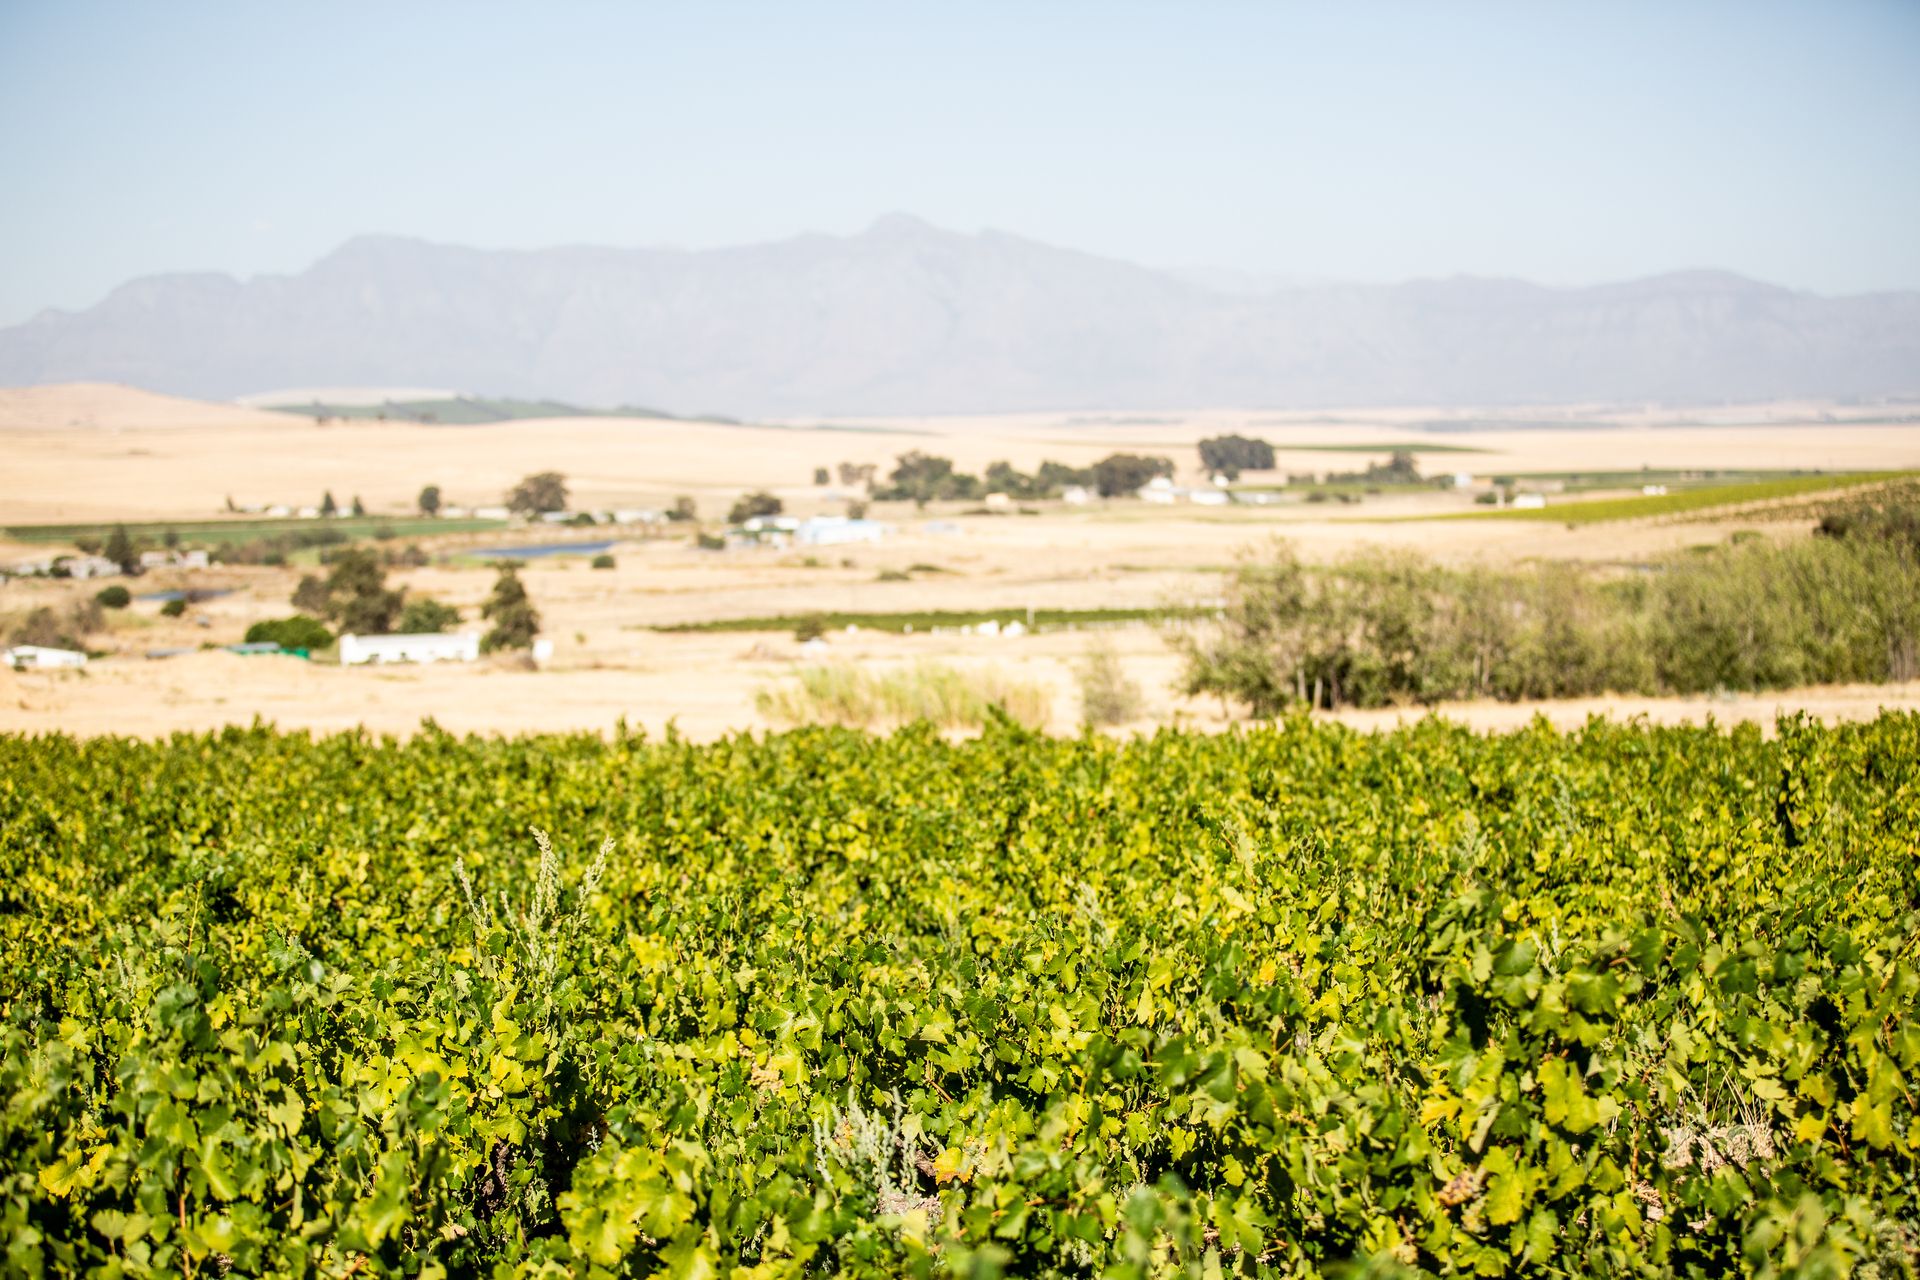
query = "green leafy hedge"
x=1627 y=1001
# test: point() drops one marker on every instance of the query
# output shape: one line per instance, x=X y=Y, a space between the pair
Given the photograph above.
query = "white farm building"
x=423 y=647
x=834 y=531
x=33 y=657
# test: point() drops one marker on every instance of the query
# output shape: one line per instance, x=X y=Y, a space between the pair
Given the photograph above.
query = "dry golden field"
x=96 y=454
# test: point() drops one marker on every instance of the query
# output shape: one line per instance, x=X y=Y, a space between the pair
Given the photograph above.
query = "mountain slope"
x=908 y=318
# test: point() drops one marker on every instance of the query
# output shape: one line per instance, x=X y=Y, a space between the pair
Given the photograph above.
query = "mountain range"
x=908 y=318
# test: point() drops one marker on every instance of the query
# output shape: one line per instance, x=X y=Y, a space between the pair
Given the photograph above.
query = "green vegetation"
x=1120 y=474
x=1387 y=447
x=1688 y=478
x=750 y=506
x=216 y=533
x=929 y=619
x=423 y=615
x=602 y=561
x=175 y=608
x=1379 y=628
x=922 y=478
x=298 y=632
x=1107 y=696
x=856 y=697
x=354 y=595
x=1230 y=455
x=1299 y=1001
x=515 y=621
x=538 y=494
x=1688 y=502
x=113 y=597
x=51 y=628
x=479 y=410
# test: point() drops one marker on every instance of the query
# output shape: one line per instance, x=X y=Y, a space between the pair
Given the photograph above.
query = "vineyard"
x=1294 y=1001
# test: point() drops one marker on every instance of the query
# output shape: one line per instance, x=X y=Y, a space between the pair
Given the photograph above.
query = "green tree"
x=922 y=478
x=1230 y=455
x=423 y=615
x=354 y=594
x=429 y=500
x=538 y=494
x=297 y=632
x=359 y=508
x=1002 y=477
x=682 y=510
x=751 y=505
x=121 y=551
x=328 y=507
x=822 y=476
x=114 y=597
x=515 y=622
x=42 y=629
x=1124 y=473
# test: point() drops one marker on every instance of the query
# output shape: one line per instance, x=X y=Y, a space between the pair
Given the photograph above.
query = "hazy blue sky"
x=1559 y=142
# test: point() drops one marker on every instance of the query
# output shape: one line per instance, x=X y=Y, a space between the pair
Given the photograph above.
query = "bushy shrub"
x=296 y=632
x=174 y=608
x=753 y=505
x=602 y=561
x=114 y=597
x=948 y=697
x=1377 y=628
x=1107 y=697
x=515 y=621
x=424 y=615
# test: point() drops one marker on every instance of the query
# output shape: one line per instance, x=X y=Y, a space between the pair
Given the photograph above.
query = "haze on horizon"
x=1384 y=142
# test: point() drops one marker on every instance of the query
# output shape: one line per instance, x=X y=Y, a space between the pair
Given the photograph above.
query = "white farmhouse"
x=422 y=647
x=1159 y=489
x=1209 y=498
x=1075 y=495
x=1529 y=501
x=836 y=531
x=90 y=567
x=33 y=657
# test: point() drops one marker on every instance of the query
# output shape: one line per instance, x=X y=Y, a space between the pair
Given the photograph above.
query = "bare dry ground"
x=704 y=686
x=92 y=453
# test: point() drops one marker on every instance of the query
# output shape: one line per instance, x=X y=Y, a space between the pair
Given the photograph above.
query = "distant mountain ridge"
x=908 y=318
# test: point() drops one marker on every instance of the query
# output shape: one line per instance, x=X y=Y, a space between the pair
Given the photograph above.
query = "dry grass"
x=952 y=698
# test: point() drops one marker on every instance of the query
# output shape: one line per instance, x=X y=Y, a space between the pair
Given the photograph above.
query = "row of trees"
x=1379 y=628
x=1230 y=455
x=922 y=478
x=354 y=596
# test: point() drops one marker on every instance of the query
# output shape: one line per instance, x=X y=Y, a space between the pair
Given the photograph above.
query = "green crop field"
x=1386 y=447
x=217 y=532
x=1293 y=1001
x=931 y=619
x=1705 y=498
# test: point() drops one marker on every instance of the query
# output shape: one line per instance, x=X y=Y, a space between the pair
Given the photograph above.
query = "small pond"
x=541 y=550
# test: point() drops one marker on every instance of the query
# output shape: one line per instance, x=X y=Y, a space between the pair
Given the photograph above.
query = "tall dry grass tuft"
x=1107 y=697
x=851 y=696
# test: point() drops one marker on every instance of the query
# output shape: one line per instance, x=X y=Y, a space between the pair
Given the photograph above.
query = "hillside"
x=84 y=405
x=908 y=318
